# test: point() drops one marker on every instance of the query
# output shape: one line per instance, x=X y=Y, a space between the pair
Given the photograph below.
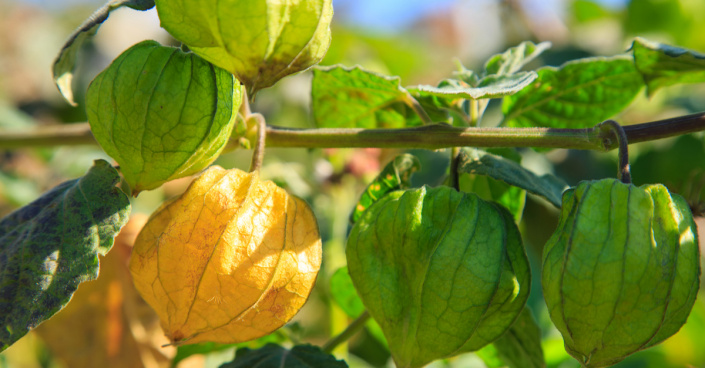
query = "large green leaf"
x=490 y=189
x=275 y=356
x=493 y=86
x=519 y=347
x=474 y=161
x=66 y=60
x=162 y=114
x=356 y=98
x=259 y=42
x=396 y=175
x=578 y=94
x=664 y=65
x=512 y=60
x=443 y=272
x=50 y=246
x=344 y=294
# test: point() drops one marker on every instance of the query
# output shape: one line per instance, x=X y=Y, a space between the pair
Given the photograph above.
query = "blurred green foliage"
x=333 y=179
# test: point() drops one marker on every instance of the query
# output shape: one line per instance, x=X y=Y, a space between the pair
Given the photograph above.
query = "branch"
x=433 y=136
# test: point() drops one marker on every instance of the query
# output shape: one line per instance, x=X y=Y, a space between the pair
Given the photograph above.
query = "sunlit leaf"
x=356 y=98
x=65 y=62
x=579 y=94
x=50 y=246
x=474 y=161
x=493 y=86
x=275 y=356
x=512 y=60
x=663 y=65
x=396 y=175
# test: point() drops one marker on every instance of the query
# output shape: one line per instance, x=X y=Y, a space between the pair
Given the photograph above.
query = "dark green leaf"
x=275 y=356
x=66 y=60
x=578 y=94
x=664 y=65
x=493 y=86
x=474 y=161
x=396 y=175
x=50 y=246
x=356 y=98
x=344 y=294
x=519 y=347
x=185 y=351
x=515 y=58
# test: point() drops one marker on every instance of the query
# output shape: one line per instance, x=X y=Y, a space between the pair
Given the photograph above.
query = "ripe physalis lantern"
x=233 y=259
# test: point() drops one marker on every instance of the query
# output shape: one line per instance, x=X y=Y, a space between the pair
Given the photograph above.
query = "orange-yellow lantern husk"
x=233 y=259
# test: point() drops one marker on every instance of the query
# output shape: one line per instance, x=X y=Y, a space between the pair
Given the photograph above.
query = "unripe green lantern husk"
x=259 y=41
x=442 y=272
x=621 y=272
x=161 y=113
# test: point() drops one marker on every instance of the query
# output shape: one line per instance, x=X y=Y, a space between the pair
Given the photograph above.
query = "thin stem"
x=474 y=112
x=435 y=136
x=612 y=130
x=414 y=104
x=344 y=336
x=454 y=163
x=258 y=154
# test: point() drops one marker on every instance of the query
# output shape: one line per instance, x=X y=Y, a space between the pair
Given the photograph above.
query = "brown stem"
x=433 y=136
x=613 y=131
x=258 y=154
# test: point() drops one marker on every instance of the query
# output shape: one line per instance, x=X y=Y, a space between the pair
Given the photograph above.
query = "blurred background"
x=420 y=41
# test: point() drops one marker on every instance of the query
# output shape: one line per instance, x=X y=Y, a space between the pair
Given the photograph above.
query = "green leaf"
x=162 y=114
x=443 y=272
x=663 y=65
x=275 y=356
x=515 y=58
x=263 y=41
x=396 y=175
x=489 y=189
x=65 y=62
x=579 y=94
x=185 y=351
x=50 y=246
x=343 y=293
x=584 y=11
x=345 y=296
x=493 y=86
x=474 y=161
x=356 y=98
x=519 y=347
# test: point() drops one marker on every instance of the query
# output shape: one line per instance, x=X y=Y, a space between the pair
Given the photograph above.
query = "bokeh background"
x=420 y=41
